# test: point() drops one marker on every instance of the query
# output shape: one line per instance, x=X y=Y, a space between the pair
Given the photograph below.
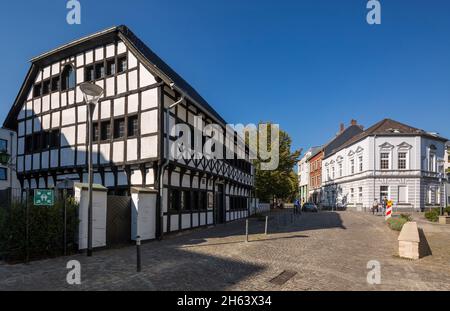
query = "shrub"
x=45 y=236
x=432 y=215
x=447 y=210
x=406 y=216
x=397 y=223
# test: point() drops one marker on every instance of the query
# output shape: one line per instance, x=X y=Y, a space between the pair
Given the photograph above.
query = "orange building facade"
x=315 y=179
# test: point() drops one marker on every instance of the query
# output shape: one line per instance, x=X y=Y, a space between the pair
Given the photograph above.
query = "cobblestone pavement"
x=327 y=251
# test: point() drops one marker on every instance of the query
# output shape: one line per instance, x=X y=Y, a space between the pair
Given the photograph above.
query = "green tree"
x=282 y=182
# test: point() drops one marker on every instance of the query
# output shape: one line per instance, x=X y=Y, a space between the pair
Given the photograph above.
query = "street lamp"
x=166 y=156
x=92 y=94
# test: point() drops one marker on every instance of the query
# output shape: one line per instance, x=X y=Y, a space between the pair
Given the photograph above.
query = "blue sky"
x=305 y=64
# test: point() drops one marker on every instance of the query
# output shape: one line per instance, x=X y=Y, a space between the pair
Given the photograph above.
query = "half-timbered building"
x=50 y=117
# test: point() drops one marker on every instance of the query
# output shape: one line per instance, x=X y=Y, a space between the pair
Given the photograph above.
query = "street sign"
x=44 y=198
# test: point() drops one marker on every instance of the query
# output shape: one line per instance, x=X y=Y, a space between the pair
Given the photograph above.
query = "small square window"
x=111 y=68
x=89 y=73
x=119 y=128
x=46 y=87
x=99 y=71
x=122 y=64
x=106 y=130
x=133 y=126
x=55 y=84
x=37 y=89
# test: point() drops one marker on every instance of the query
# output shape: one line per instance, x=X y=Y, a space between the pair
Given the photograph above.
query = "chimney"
x=342 y=128
x=354 y=122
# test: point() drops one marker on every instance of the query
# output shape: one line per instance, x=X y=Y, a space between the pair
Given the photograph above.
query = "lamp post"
x=92 y=94
x=166 y=157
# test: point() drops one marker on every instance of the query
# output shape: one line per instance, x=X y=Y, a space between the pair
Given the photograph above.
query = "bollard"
x=267 y=223
x=246 y=231
x=138 y=253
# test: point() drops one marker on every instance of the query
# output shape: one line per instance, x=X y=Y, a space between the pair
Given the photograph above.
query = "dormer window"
x=68 y=78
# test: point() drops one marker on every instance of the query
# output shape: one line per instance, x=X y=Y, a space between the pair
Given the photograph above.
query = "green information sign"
x=44 y=198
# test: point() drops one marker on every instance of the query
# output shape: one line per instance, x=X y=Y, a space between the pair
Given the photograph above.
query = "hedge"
x=45 y=231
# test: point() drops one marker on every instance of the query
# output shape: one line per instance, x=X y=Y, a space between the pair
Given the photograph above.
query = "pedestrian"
x=296 y=206
x=375 y=206
x=384 y=205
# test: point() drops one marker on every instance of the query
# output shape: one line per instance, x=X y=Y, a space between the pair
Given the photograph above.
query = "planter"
x=444 y=220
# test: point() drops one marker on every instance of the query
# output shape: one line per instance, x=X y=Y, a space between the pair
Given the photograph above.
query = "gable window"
x=89 y=74
x=111 y=68
x=3 y=174
x=99 y=71
x=37 y=89
x=55 y=84
x=68 y=78
x=46 y=87
x=3 y=145
x=133 y=126
x=402 y=160
x=122 y=64
x=384 y=160
x=106 y=130
x=119 y=128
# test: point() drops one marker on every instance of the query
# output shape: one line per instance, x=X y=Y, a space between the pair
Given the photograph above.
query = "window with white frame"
x=384 y=193
x=333 y=172
x=385 y=160
x=340 y=169
x=361 y=163
x=360 y=195
x=352 y=166
x=402 y=160
x=432 y=159
x=352 y=195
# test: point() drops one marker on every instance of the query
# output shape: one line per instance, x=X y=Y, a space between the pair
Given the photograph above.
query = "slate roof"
x=388 y=127
x=150 y=59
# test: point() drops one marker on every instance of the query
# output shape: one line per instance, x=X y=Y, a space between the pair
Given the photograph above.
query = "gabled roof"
x=152 y=61
x=337 y=141
x=312 y=150
x=388 y=127
x=342 y=138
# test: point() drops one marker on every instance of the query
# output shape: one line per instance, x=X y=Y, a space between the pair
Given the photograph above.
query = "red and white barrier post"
x=389 y=209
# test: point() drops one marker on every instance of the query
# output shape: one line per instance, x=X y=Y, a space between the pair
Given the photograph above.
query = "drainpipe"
x=166 y=158
x=374 y=167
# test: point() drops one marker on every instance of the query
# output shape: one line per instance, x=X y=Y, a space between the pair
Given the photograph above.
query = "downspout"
x=374 y=167
x=166 y=137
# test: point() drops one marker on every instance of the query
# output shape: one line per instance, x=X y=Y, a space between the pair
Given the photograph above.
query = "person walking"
x=375 y=206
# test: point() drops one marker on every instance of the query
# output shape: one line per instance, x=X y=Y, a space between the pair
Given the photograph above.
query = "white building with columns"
x=391 y=160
